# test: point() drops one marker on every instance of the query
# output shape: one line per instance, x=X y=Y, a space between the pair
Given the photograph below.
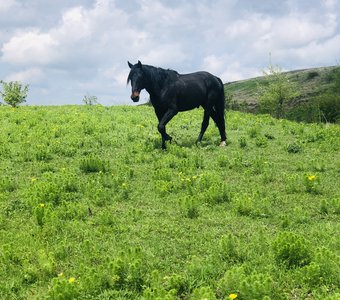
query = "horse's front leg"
x=160 y=115
x=162 y=123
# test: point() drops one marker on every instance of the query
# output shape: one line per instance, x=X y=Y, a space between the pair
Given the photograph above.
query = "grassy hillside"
x=91 y=208
x=312 y=84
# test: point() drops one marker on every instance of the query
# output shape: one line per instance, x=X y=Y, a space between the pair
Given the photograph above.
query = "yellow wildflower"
x=72 y=280
x=42 y=205
x=311 y=177
x=232 y=296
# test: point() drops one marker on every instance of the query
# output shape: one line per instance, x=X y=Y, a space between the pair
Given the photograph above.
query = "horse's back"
x=193 y=89
x=201 y=78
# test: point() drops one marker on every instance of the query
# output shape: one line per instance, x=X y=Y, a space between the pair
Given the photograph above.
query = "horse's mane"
x=158 y=77
x=159 y=74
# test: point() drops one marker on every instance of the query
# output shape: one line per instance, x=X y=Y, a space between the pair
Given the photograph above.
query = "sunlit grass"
x=87 y=192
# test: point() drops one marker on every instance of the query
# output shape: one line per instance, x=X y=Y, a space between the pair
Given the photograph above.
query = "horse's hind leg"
x=220 y=123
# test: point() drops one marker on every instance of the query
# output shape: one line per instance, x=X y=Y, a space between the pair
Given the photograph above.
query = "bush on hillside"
x=13 y=93
x=277 y=92
x=324 y=109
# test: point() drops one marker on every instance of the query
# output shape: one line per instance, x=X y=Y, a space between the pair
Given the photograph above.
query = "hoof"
x=223 y=144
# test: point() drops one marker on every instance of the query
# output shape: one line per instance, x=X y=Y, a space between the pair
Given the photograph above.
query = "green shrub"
x=190 y=207
x=269 y=136
x=294 y=147
x=217 y=194
x=178 y=283
x=329 y=263
x=254 y=131
x=223 y=161
x=292 y=250
x=306 y=112
x=325 y=108
x=324 y=206
x=90 y=100
x=312 y=74
x=40 y=214
x=244 y=205
x=231 y=281
x=93 y=165
x=253 y=286
x=335 y=205
x=63 y=289
x=329 y=106
x=323 y=270
x=128 y=269
x=312 y=184
x=229 y=248
x=155 y=288
x=47 y=192
x=243 y=142
x=311 y=274
x=14 y=93
x=8 y=184
x=258 y=286
x=203 y=293
x=276 y=93
x=261 y=141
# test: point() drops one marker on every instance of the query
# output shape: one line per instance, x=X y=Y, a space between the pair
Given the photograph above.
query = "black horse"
x=171 y=93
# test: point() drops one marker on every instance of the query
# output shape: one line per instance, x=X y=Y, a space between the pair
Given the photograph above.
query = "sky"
x=67 y=49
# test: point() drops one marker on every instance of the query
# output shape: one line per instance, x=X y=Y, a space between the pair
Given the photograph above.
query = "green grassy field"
x=91 y=208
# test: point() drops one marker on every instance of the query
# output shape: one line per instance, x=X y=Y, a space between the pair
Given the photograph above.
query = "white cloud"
x=33 y=75
x=295 y=30
x=323 y=53
x=227 y=68
x=5 y=5
x=213 y=64
x=75 y=25
x=329 y=3
x=163 y=55
x=30 y=48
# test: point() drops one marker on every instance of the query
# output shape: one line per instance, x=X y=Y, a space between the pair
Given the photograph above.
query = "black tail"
x=220 y=105
x=220 y=110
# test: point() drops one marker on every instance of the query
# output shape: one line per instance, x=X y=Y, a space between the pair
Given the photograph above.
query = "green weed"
x=292 y=250
x=312 y=184
x=294 y=147
x=93 y=165
x=190 y=206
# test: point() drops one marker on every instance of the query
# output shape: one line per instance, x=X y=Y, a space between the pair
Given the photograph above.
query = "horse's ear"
x=130 y=65
x=139 y=64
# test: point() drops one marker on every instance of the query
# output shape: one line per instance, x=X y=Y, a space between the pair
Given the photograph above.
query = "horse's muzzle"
x=135 y=96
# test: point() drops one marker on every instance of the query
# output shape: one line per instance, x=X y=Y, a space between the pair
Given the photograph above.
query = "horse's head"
x=136 y=77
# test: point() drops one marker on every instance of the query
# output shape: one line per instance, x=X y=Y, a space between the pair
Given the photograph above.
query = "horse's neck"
x=154 y=86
